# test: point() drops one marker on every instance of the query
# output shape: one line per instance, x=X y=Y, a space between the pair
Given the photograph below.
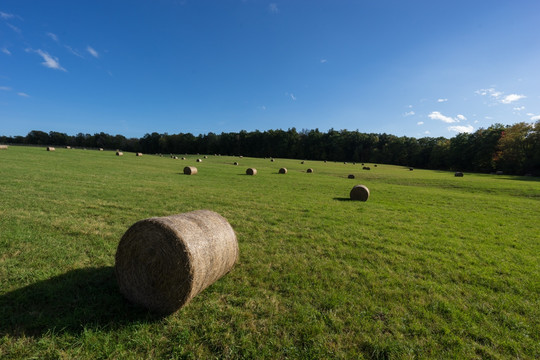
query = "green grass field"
x=431 y=266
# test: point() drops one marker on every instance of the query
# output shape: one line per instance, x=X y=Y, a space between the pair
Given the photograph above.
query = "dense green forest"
x=514 y=149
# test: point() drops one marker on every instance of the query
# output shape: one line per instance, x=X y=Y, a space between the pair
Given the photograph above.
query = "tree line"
x=514 y=149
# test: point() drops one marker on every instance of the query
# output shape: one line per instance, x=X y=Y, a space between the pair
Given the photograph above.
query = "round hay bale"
x=50 y=148
x=310 y=170
x=190 y=170
x=68 y=147
x=302 y=162
x=351 y=176
x=458 y=174
x=272 y=160
x=235 y=163
x=366 y=168
x=411 y=169
x=183 y=158
x=199 y=160
x=325 y=161
x=251 y=171
x=161 y=263
x=100 y=149
x=206 y=157
x=3 y=147
x=283 y=170
x=359 y=192
x=119 y=153
x=138 y=154
x=375 y=165
x=175 y=157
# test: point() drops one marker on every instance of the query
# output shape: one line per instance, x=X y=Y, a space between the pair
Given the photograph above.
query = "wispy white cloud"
x=420 y=123
x=442 y=100
x=14 y=28
x=5 y=88
x=409 y=113
x=52 y=36
x=6 y=16
x=324 y=61
x=435 y=115
x=273 y=8
x=293 y=97
x=508 y=99
x=74 y=52
x=461 y=128
x=92 y=51
x=23 y=94
x=6 y=51
x=263 y=108
x=427 y=132
x=410 y=106
x=488 y=117
x=519 y=108
x=489 y=92
x=461 y=117
x=49 y=61
x=535 y=117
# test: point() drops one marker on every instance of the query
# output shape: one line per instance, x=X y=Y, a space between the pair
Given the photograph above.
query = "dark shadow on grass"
x=342 y=199
x=68 y=303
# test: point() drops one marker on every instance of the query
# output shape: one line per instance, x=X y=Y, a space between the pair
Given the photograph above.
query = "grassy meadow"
x=431 y=266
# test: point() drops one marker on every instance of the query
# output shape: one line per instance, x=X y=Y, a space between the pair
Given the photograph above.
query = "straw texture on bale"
x=50 y=148
x=119 y=153
x=163 y=262
x=351 y=176
x=283 y=170
x=251 y=171
x=3 y=147
x=190 y=170
x=139 y=154
x=199 y=160
x=359 y=192
x=310 y=170
x=458 y=174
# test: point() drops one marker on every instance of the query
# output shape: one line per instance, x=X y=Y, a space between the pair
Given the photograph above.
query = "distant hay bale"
x=310 y=170
x=325 y=161
x=272 y=160
x=359 y=192
x=375 y=165
x=162 y=263
x=175 y=157
x=68 y=147
x=199 y=160
x=100 y=149
x=190 y=170
x=458 y=174
x=499 y=172
x=50 y=148
x=411 y=169
x=241 y=157
x=235 y=163
x=183 y=158
x=302 y=162
x=119 y=153
x=206 y=157
x=366 y=168
x=138 y=154
x=351 y=176
x=345 y=163
x=3 y=147
x=251 y=171
x=283 y=170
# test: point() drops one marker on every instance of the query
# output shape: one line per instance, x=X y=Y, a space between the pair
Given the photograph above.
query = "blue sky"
x=414 y=68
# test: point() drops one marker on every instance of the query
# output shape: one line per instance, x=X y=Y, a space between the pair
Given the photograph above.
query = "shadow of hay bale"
x=68 y=303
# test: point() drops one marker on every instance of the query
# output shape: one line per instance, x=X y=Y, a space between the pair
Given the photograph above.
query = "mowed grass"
x=431 y=266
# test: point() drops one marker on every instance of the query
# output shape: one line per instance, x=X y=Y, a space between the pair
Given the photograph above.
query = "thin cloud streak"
x=461 y=129
x=49 y=61
x=92 y=51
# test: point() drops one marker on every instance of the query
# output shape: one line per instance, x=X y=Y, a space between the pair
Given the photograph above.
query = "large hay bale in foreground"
x=458 y=174
x=190 y=170
x=283 y=170
x=3 y=147
x=359 y=192
x=50 y=148
x=310 y=170
x=163 y=262
x=119 y=153
x=251 y=171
